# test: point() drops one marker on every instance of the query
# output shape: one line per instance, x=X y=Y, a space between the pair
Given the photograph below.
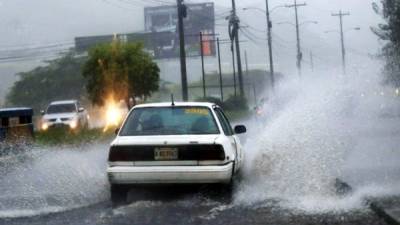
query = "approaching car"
x=174 y=143
x=67 y=114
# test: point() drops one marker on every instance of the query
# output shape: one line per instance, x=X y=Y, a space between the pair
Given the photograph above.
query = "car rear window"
x=170 y=121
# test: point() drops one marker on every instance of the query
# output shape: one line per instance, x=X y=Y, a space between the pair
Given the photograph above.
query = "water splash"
x=54 y=179
x=312 y=126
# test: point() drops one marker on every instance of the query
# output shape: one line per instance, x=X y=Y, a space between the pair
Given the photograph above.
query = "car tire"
x=229 y=188
x=118 y=193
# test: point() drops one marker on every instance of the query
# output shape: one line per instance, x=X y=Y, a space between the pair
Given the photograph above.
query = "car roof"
x=64 y=102
x=167 y=104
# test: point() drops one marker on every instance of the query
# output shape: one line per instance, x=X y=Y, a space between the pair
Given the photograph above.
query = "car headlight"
x=45 y=126
x=73 y=124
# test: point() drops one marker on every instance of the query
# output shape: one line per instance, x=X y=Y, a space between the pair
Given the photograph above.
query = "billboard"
x=160 y=36
x=161 y=23
x=85 y=43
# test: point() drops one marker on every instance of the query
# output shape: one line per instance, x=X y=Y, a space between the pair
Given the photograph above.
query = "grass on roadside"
x=59 y=136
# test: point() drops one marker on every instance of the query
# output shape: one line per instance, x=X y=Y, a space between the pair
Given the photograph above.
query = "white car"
x=174 y=143
x=67 y=114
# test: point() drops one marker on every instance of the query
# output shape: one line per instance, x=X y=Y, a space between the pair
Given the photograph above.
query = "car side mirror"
x=42 y=112
x=116 y=131
x=240 y=129
x=81 y=109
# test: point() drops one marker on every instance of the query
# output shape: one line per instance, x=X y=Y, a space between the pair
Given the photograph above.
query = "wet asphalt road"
x=192 y=205
x=78 y=182
x=170 y=213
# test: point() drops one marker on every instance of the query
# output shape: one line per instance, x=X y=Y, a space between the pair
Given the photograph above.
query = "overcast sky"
x=50 y=21
x=29 y=23
x=44 y=21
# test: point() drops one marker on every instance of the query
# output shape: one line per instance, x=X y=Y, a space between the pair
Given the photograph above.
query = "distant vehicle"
x=16 y=125
x=174 y=143
x=259 y=110
x=68 y=114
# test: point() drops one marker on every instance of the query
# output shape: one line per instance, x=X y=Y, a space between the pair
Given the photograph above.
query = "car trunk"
x=166 y=148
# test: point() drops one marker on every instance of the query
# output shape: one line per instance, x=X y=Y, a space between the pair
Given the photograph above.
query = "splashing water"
x=306 y=142
x=314 y=132
x=54 y=179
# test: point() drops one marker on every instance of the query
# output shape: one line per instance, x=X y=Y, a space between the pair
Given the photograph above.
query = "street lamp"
x=336 y=31
x=262 y=10
x=253 y=8
x=309 y=21
x=301 y=24
x=277 y=7
x=341 y=32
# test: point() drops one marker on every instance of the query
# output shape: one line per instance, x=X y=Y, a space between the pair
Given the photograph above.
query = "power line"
x=30 y=58
x=43 y=47
x=116 y=5
x=250 y=37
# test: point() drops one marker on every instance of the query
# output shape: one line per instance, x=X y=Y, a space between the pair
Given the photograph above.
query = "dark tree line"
x=121 y=70
x=60 y=79
x=390 y=32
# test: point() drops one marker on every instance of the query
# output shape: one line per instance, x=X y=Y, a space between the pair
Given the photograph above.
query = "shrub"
x=235 y=103
x=211 y=99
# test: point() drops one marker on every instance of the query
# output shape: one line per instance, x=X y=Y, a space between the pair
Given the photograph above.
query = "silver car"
x=67 y=114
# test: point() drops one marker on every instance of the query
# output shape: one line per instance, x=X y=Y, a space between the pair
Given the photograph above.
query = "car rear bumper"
x=170 y=174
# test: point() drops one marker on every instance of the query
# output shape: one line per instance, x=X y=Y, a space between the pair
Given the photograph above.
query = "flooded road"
x=308 y=139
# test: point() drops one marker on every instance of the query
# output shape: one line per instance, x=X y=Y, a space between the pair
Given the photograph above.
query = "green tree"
x=59 y=79
x=120 y=70
x=390 y=32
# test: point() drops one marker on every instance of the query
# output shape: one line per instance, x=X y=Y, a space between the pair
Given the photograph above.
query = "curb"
x=381 y=212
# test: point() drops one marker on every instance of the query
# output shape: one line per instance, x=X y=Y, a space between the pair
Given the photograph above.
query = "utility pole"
x=246 y=63
x=312 y=61
x=220 y=71
x=234 y=69
x=248 y=77
x=340 y=15
x=202 y=64
x=299 y=53
x=252 y=78
x=182 y=12
x=269 y=37
x=234 y=35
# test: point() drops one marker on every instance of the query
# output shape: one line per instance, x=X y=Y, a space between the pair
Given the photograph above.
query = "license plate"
x=165 y=153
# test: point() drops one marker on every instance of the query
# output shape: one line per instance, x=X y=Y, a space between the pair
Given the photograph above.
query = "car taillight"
x=147 y=153
x=115 y=154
